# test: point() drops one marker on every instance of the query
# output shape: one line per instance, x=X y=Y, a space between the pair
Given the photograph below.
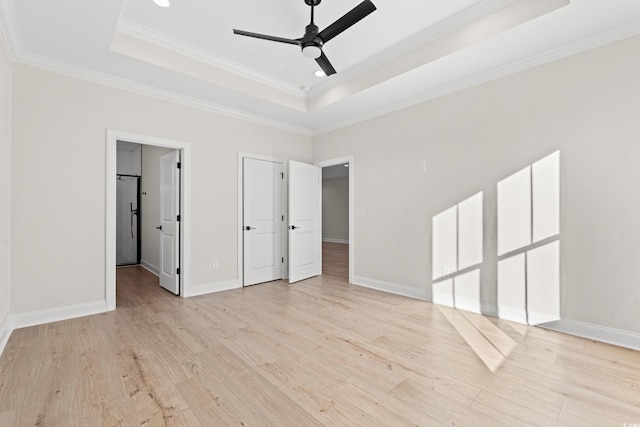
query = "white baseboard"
x=604 y=334
x=536 y=318
x=442 y=293
x=150 y=267
x=468 y=305
x=208 y=288
x=513 y=314
x=392 y=288
x=56 y=314
x=489 y=309
x=5 y=332
x=330 y=240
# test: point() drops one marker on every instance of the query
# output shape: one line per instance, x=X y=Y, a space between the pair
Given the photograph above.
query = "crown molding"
x=552 y=55
x=443 y=43
x=9 y=30
x=16 y=53
x=459 y=20
x=149 y=35
x=142 y=89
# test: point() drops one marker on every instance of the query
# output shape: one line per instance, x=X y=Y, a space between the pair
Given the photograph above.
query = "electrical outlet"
x=422 y=166
x=216 y=263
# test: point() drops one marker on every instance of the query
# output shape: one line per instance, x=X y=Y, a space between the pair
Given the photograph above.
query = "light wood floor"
x=319 y=352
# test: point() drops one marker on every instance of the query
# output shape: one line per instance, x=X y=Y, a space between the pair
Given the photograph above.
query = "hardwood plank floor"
x=318 y=352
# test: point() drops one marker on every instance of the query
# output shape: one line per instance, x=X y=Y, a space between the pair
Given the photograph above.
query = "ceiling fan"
x=312 y=41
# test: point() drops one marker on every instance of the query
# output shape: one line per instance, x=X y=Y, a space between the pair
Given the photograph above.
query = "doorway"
x=178 y=260
x=285 y=260
x=148 y=193
x=338 y=228
x=335 y=221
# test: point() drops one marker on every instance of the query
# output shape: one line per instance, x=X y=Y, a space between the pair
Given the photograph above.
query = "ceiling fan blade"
x=326 y=66
x=349 y=19
x=266 y=37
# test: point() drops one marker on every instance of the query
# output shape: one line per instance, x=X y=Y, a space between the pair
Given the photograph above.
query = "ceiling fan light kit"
x=312 y=41
x=311 y=51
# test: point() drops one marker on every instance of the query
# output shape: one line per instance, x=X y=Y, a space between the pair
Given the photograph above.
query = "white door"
x=169 y=222
x=263 y=221
x=305 y=234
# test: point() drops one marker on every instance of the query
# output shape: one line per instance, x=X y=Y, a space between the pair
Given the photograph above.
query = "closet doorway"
x=148 y=211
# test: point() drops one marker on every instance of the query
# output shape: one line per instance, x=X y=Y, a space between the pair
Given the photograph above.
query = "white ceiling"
x=403 y=53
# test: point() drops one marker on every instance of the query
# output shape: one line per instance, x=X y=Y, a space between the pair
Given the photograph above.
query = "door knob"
x=293 y=227
x=249 y=228
x=159 y=228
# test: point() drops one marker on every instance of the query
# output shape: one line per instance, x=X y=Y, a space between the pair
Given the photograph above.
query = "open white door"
x=305 y=234
x=169 y=222
x=263 y=218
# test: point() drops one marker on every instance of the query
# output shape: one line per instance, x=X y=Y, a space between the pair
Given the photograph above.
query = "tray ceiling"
x=403 y=53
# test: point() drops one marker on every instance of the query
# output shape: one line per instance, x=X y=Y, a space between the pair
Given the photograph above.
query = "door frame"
x=240 y=217
x=112 y=138
x=352 y=173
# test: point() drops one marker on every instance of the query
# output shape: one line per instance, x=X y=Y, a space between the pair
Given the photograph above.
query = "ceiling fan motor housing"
x=310 y=44
x=310 y=31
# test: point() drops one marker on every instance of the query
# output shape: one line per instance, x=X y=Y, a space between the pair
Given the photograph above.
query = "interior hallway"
x=318 y=352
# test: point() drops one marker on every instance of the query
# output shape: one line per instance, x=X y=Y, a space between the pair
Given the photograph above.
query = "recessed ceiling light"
x=162 y=3
x=305 y=88
x=346 y=165
x=320 y=73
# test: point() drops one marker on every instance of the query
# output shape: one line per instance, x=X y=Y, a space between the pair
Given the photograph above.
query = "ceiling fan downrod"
x=310 y=44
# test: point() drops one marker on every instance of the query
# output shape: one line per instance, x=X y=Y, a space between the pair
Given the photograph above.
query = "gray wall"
x=587 y=106
x=150 y=205
x=5 y=181
x=128 y=158
x=57 y=118
x=335 y=208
